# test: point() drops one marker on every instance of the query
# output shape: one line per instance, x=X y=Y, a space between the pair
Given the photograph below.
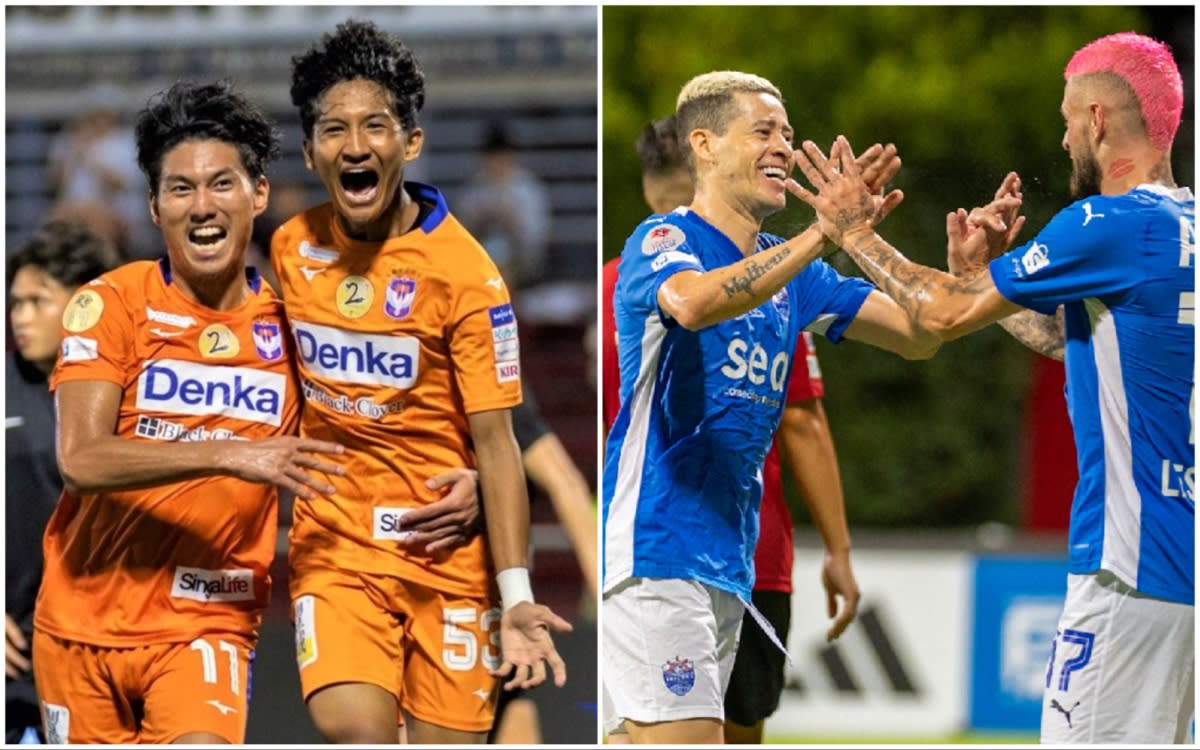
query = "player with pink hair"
x=1108 y=286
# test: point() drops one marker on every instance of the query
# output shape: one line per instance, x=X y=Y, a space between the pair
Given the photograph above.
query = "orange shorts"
x=430 y=649
x=146 y=694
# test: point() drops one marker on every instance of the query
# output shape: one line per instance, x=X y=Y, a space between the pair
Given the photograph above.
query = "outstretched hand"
x=526 y=646
x=974 y=238
x=844 y=201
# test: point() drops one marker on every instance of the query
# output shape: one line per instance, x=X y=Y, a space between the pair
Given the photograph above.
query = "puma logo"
x=1065 y=712
x=1087 y=209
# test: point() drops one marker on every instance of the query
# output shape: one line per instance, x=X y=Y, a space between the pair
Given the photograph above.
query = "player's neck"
x=1125 y=170
x=739 y=225
x=216 y=292
x=397 y=220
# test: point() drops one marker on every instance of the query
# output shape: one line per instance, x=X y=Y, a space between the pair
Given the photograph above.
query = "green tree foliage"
x=966 y=94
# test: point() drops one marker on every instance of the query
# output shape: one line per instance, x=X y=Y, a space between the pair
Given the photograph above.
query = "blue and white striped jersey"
x=682 y=473
x=1123 y=266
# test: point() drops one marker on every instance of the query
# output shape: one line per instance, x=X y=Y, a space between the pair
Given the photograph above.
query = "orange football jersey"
x=396 y=342
x=172 y=562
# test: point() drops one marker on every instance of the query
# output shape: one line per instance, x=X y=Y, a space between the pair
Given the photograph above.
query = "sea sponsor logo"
x=268 y=341
x=179 y=387
x=343 y=404
x=754 y=364
x=170 y=319
x=202 y=585
x=400 y=294
x=1178 y=480
x=387 y=524
x=358 y=357
x=79 y=349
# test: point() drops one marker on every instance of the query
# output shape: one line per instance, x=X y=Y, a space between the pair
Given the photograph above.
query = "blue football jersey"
x=1123 y=267
x=683 y=462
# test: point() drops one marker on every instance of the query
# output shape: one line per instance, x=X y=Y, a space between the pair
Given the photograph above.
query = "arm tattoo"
x=911 y=285
x=1041 y=333
x=754 y=270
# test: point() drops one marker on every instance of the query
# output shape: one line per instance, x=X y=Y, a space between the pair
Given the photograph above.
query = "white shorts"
x=1122 y=668
x=668 y=650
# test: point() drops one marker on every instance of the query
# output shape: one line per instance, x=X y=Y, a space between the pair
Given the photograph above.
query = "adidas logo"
x=847 y=676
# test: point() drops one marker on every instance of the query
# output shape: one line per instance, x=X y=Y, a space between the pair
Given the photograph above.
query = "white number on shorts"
x=462 y=648
x=208 y=658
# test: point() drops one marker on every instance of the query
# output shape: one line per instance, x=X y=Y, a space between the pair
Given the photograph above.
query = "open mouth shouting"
x=207 y=239
x=360 y=185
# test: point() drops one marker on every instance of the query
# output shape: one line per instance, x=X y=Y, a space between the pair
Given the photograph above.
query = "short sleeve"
x=828 y=300
x=97 y=337
x=655 y=252
x=1077 y=255
x=484 y=346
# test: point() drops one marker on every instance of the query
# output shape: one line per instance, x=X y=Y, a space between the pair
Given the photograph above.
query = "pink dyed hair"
x=1149 y=68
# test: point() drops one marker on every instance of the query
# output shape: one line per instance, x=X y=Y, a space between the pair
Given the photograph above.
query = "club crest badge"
x=268 y=341
x=679 y=675
x=400 y=294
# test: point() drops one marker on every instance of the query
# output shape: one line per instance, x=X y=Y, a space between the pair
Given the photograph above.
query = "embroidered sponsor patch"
x=387 y=524
x=171 y=319
x=79 y=349
x=672 y=256
x=202 y=585
x=508 y=371
x=181 y=387
x=370 y=359
x=319 y=254
x=662 y=238
x=58 y=724
x=305 y=622
x=1035 y=258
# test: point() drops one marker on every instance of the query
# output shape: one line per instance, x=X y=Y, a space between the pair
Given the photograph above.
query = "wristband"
x=514 y=587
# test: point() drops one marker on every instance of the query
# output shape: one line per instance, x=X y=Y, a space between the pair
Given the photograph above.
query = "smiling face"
x=753 y=157
x=359 y=148
x=36 y=301
x=205 y=205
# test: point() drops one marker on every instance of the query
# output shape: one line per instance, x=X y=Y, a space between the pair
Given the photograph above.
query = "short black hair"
x=658 y=147
x=200 y=111
x=68 y=251
x=358 y=49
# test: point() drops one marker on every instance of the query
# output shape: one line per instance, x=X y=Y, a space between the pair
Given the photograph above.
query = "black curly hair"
x=358 y=49
x=194 y=111
x=70 y=252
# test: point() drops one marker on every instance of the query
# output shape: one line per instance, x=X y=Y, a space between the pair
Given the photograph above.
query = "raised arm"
x=938 y=302
x=697 y=300
x=92 y=458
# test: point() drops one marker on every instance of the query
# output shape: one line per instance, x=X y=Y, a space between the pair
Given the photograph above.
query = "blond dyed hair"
x=706 y=102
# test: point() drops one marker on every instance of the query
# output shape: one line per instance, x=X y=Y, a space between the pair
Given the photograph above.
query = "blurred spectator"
x=507 y=209
x=94 y=160
x=41 y=279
